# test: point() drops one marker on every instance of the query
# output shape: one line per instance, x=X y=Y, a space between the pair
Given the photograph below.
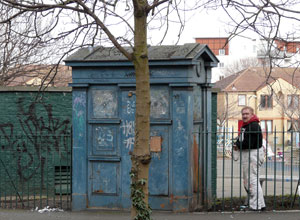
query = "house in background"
x=36 y=75
x=35 y=134
x=272 y=93
x=290 y=46
x=241 y=52
x=228 y=51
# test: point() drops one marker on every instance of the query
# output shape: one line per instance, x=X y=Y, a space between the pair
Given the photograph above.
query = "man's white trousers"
x=252 y=160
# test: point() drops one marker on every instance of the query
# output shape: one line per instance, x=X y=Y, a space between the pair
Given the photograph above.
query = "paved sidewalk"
x=8 y=214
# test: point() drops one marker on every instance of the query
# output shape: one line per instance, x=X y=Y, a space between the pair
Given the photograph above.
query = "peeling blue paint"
x=104 y=128
x=79 y=187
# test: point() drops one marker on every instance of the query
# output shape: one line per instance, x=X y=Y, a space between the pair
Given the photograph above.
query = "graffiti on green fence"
x=36 y=135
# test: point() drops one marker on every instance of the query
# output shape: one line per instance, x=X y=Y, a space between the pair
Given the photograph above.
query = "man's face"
x=246 y=115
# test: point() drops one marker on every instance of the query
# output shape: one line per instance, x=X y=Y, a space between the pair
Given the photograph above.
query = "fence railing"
x=278 y=172
x=35 y=171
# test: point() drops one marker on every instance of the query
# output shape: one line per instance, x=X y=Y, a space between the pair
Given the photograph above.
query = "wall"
x=280 y=113
x=215 y=44
x=228 y=104
x=35 y=138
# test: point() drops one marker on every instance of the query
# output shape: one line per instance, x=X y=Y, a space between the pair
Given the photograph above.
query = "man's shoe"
x=243 y=207
x=258 y=210
x=254 y=210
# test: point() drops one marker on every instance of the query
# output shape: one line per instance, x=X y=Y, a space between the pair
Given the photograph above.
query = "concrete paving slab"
x=9 y=214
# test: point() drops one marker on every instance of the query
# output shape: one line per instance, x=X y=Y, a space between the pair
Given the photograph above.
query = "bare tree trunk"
x=141 y=154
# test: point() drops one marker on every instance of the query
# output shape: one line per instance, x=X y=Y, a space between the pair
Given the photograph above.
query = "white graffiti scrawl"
x=130 y=107
x=129 y=142
x=104 y=137
x=128 y=128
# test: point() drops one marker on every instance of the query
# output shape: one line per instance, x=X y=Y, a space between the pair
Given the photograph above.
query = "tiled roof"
x=164 y=52
x=255 y=78
x=222 y=84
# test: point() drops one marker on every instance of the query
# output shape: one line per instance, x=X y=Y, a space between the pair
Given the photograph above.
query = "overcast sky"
x=205 y=24
x=211 y=23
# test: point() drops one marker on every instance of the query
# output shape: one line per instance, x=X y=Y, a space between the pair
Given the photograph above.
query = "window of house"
x=221 y=65
x=293 y=101
x=242 y=100
x=266 y=101
x=266 y=125
x=280 y=95
x=290 y=125
x=221 y=51
x=284 y=48
x=293 y=125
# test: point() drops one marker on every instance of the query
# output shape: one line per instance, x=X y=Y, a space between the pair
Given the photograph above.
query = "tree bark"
x=140 y=157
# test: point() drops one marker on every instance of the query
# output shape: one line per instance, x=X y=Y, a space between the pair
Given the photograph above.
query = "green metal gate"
x=35 y=171
x=279 y=175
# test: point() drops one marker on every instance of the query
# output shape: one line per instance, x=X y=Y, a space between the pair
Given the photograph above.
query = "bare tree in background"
x=122 y=24
x=226 y=109
x=275 y=22
x=272 y=21
x=21 y=51
x=241 y=64
x=287 y=99
x=77 y=23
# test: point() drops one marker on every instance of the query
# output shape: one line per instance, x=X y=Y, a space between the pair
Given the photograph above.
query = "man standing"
x=252 y=156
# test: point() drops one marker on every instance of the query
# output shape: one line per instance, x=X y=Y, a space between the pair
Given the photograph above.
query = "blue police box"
x=104 y=122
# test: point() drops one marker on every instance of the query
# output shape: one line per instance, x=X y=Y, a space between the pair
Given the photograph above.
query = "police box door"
x=104 y=155
x=159 y=172
x=111 y=139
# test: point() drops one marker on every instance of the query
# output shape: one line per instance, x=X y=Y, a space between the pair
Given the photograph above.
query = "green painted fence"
x=35 y=145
